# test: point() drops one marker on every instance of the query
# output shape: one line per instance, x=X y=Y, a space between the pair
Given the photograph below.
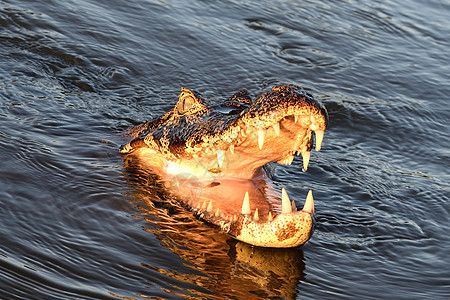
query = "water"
x=74 y=224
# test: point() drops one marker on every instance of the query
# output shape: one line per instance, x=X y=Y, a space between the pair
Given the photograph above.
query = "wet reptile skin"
x=221 y=149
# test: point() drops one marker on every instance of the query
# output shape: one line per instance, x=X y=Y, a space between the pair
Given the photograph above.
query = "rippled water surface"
x=74 y=224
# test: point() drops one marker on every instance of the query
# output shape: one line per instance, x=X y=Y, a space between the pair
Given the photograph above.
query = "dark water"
x=74 y=224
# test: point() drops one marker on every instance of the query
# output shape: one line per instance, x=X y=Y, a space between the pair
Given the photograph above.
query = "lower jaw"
x=221 y=203
x=219 y=200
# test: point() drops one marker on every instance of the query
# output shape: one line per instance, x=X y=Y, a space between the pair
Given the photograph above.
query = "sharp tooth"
x=282 y=161
x=319 y=139
x=261 y=137
x=217 y=213
x=309 y=203
x=270 y=218
x=286 y=206
x=287 y=160
x=246 y=205
x=306 y=155
x=232 y=149
x=276 y=127
x=256 y=217
x=313 y=125
x=294 y=208
x=205 y=204
x=291 y=159
x=296 y=117
x=210 y=206
x=220 y=157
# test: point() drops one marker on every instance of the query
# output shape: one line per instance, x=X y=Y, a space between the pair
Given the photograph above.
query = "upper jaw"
x=278 y=125
x=253 y=145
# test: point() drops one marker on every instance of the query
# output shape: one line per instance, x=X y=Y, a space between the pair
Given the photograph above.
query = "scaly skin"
x=211 y=157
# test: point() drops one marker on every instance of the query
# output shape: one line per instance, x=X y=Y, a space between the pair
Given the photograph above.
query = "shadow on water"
x=218 y=266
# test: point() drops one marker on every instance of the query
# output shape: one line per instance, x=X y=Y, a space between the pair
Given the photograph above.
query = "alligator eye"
x=188 y=103
x=185 y=104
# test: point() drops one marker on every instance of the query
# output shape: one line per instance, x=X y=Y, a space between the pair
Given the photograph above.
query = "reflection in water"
x=221 y=266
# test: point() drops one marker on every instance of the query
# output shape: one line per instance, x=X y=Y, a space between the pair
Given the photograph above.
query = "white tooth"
x=306 y=155
x=291 y=159
x=276 y=127
x=287 y=160
x=296 y=117
x=261 y=137
x=313 y=125
x=256 y=216
x=294 y=208
x=220 y=157
x=210 y=206
x=204 y=205
x=232 y=149
x=246 y=205
x=319 y=139
x=286 y=206
x=269 y=217
x=309 y=203
x=217 y=213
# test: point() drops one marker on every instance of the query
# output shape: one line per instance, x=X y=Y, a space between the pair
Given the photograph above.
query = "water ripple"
x=75 y=74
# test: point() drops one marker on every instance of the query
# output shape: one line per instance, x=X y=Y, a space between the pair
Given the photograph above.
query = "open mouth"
x=212 y=159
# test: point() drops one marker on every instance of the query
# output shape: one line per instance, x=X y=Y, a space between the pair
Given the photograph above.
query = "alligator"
x=213 y=159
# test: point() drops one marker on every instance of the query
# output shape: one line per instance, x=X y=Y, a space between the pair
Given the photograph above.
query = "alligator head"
x=212 y=158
